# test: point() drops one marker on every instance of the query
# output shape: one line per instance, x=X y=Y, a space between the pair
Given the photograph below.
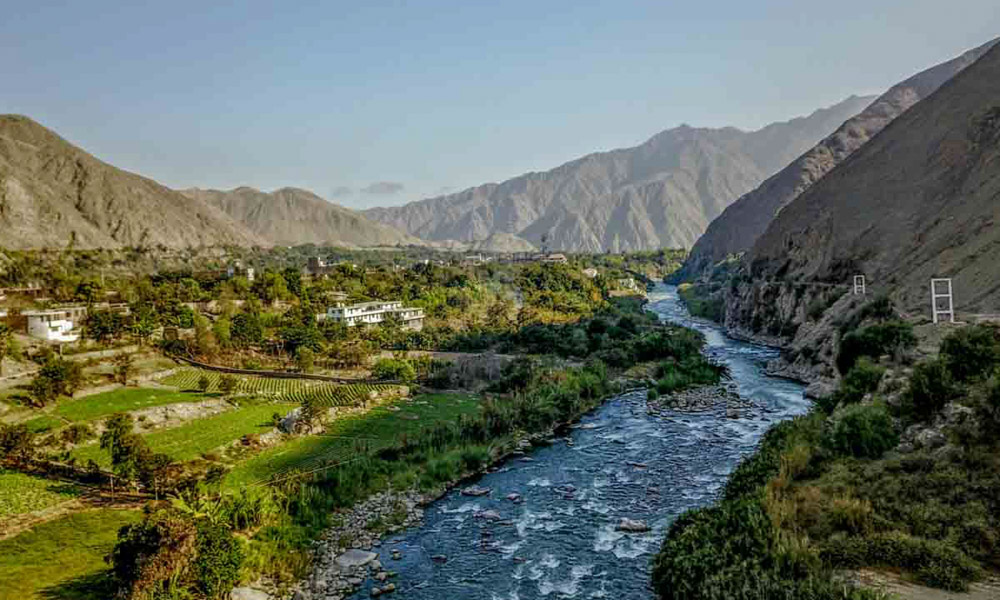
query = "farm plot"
x=21 y=493
x=62 y=559
x=350 y=437
x=284 y=390
x=193 y=439
x=96 y=406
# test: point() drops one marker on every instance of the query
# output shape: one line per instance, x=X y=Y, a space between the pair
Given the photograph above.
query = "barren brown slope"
x=661 y=193
x=921 y=199
x=291 y=216
x=53 y=193
x=740 y=225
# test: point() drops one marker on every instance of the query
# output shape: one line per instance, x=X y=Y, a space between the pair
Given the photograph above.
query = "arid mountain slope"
x=920 y=200
x=740 y=225
x=291 y=216
x=661 y=193
x=53 y=194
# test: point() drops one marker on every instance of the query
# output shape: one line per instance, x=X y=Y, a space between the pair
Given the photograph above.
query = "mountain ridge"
x=291 y=216
x=660 y=193
x=55 y=194
x=919 y=200
x=745 y=220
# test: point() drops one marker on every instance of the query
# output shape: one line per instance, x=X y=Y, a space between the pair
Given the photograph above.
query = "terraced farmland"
x=284 y=390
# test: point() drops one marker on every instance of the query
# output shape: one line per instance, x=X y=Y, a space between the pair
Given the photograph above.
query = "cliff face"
x=662 y=193
x=920 y=200
x=737 y=229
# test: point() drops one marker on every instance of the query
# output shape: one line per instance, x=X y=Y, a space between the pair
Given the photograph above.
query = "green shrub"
x=971 y=352
x=874 y=341
x=219 y=557
x=931 y=387
x=863 y=378
x=933 y=562
x=394 y=369
x=861 y=431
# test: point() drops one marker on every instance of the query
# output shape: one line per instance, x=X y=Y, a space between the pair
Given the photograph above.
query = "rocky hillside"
x=53 y=194
x=740 y=225
x=662 y=193
x=292 y=216
x=919 y=200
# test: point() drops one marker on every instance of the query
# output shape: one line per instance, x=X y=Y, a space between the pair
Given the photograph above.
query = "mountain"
x=53 y=193
x=502 y=242
x=920 y=200
x=292 y=216
x=662 y=193
x=739 y=226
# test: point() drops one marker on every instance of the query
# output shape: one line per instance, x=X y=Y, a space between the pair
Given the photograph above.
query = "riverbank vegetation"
x=898 y=470
x=229 y=495
x=279 y=517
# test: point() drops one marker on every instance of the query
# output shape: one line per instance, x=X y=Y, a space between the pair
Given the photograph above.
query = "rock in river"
x=631 y=526
x=355 y=558
x=475 y=490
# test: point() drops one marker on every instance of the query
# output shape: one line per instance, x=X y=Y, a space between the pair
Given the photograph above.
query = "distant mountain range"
x=291 y=216
x=739 y=226
x=53 y=194
x=662 y=193
x=920 y=200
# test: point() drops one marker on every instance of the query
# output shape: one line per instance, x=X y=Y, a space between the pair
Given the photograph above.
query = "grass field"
x=105 y=404
x=382 y=425
x=43 y=423
x=61 y=559
x=21 y=493
x=198 y=437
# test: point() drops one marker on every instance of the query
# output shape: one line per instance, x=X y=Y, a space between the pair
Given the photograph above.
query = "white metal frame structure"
x=859 y=285
x=936 y=311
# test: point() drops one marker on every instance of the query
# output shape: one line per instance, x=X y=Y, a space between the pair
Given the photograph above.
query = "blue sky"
x=375 y=103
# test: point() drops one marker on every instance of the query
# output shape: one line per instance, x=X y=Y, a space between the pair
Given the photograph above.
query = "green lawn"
x=197 y=437
x=61 y=559
x=93 y=407
x=21 y=493
x=381 y=424
x=43 y=423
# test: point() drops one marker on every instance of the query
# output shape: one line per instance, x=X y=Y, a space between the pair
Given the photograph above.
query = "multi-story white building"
x=55 y=325
x=373 y=313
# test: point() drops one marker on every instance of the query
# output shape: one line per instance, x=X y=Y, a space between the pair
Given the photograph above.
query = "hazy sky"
x=375 y=103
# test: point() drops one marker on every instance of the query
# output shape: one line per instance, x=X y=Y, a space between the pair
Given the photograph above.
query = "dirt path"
x=988 y=589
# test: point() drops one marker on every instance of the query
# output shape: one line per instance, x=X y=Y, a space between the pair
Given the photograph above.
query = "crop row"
x=285 y=390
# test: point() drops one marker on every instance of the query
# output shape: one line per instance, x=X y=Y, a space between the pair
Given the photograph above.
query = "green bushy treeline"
x=829 y=491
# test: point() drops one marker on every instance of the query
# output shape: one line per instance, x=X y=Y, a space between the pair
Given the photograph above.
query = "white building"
x=373 y=313
x=55 y=325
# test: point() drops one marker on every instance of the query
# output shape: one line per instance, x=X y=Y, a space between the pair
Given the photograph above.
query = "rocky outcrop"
x=662 y=193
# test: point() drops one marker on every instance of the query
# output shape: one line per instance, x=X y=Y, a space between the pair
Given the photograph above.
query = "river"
x=560 y=539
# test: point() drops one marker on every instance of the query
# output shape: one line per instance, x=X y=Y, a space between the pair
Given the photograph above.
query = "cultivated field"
x=286 y=390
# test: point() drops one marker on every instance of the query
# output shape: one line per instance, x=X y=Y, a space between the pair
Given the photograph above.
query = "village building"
x=374 y=313
x=60 y=324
